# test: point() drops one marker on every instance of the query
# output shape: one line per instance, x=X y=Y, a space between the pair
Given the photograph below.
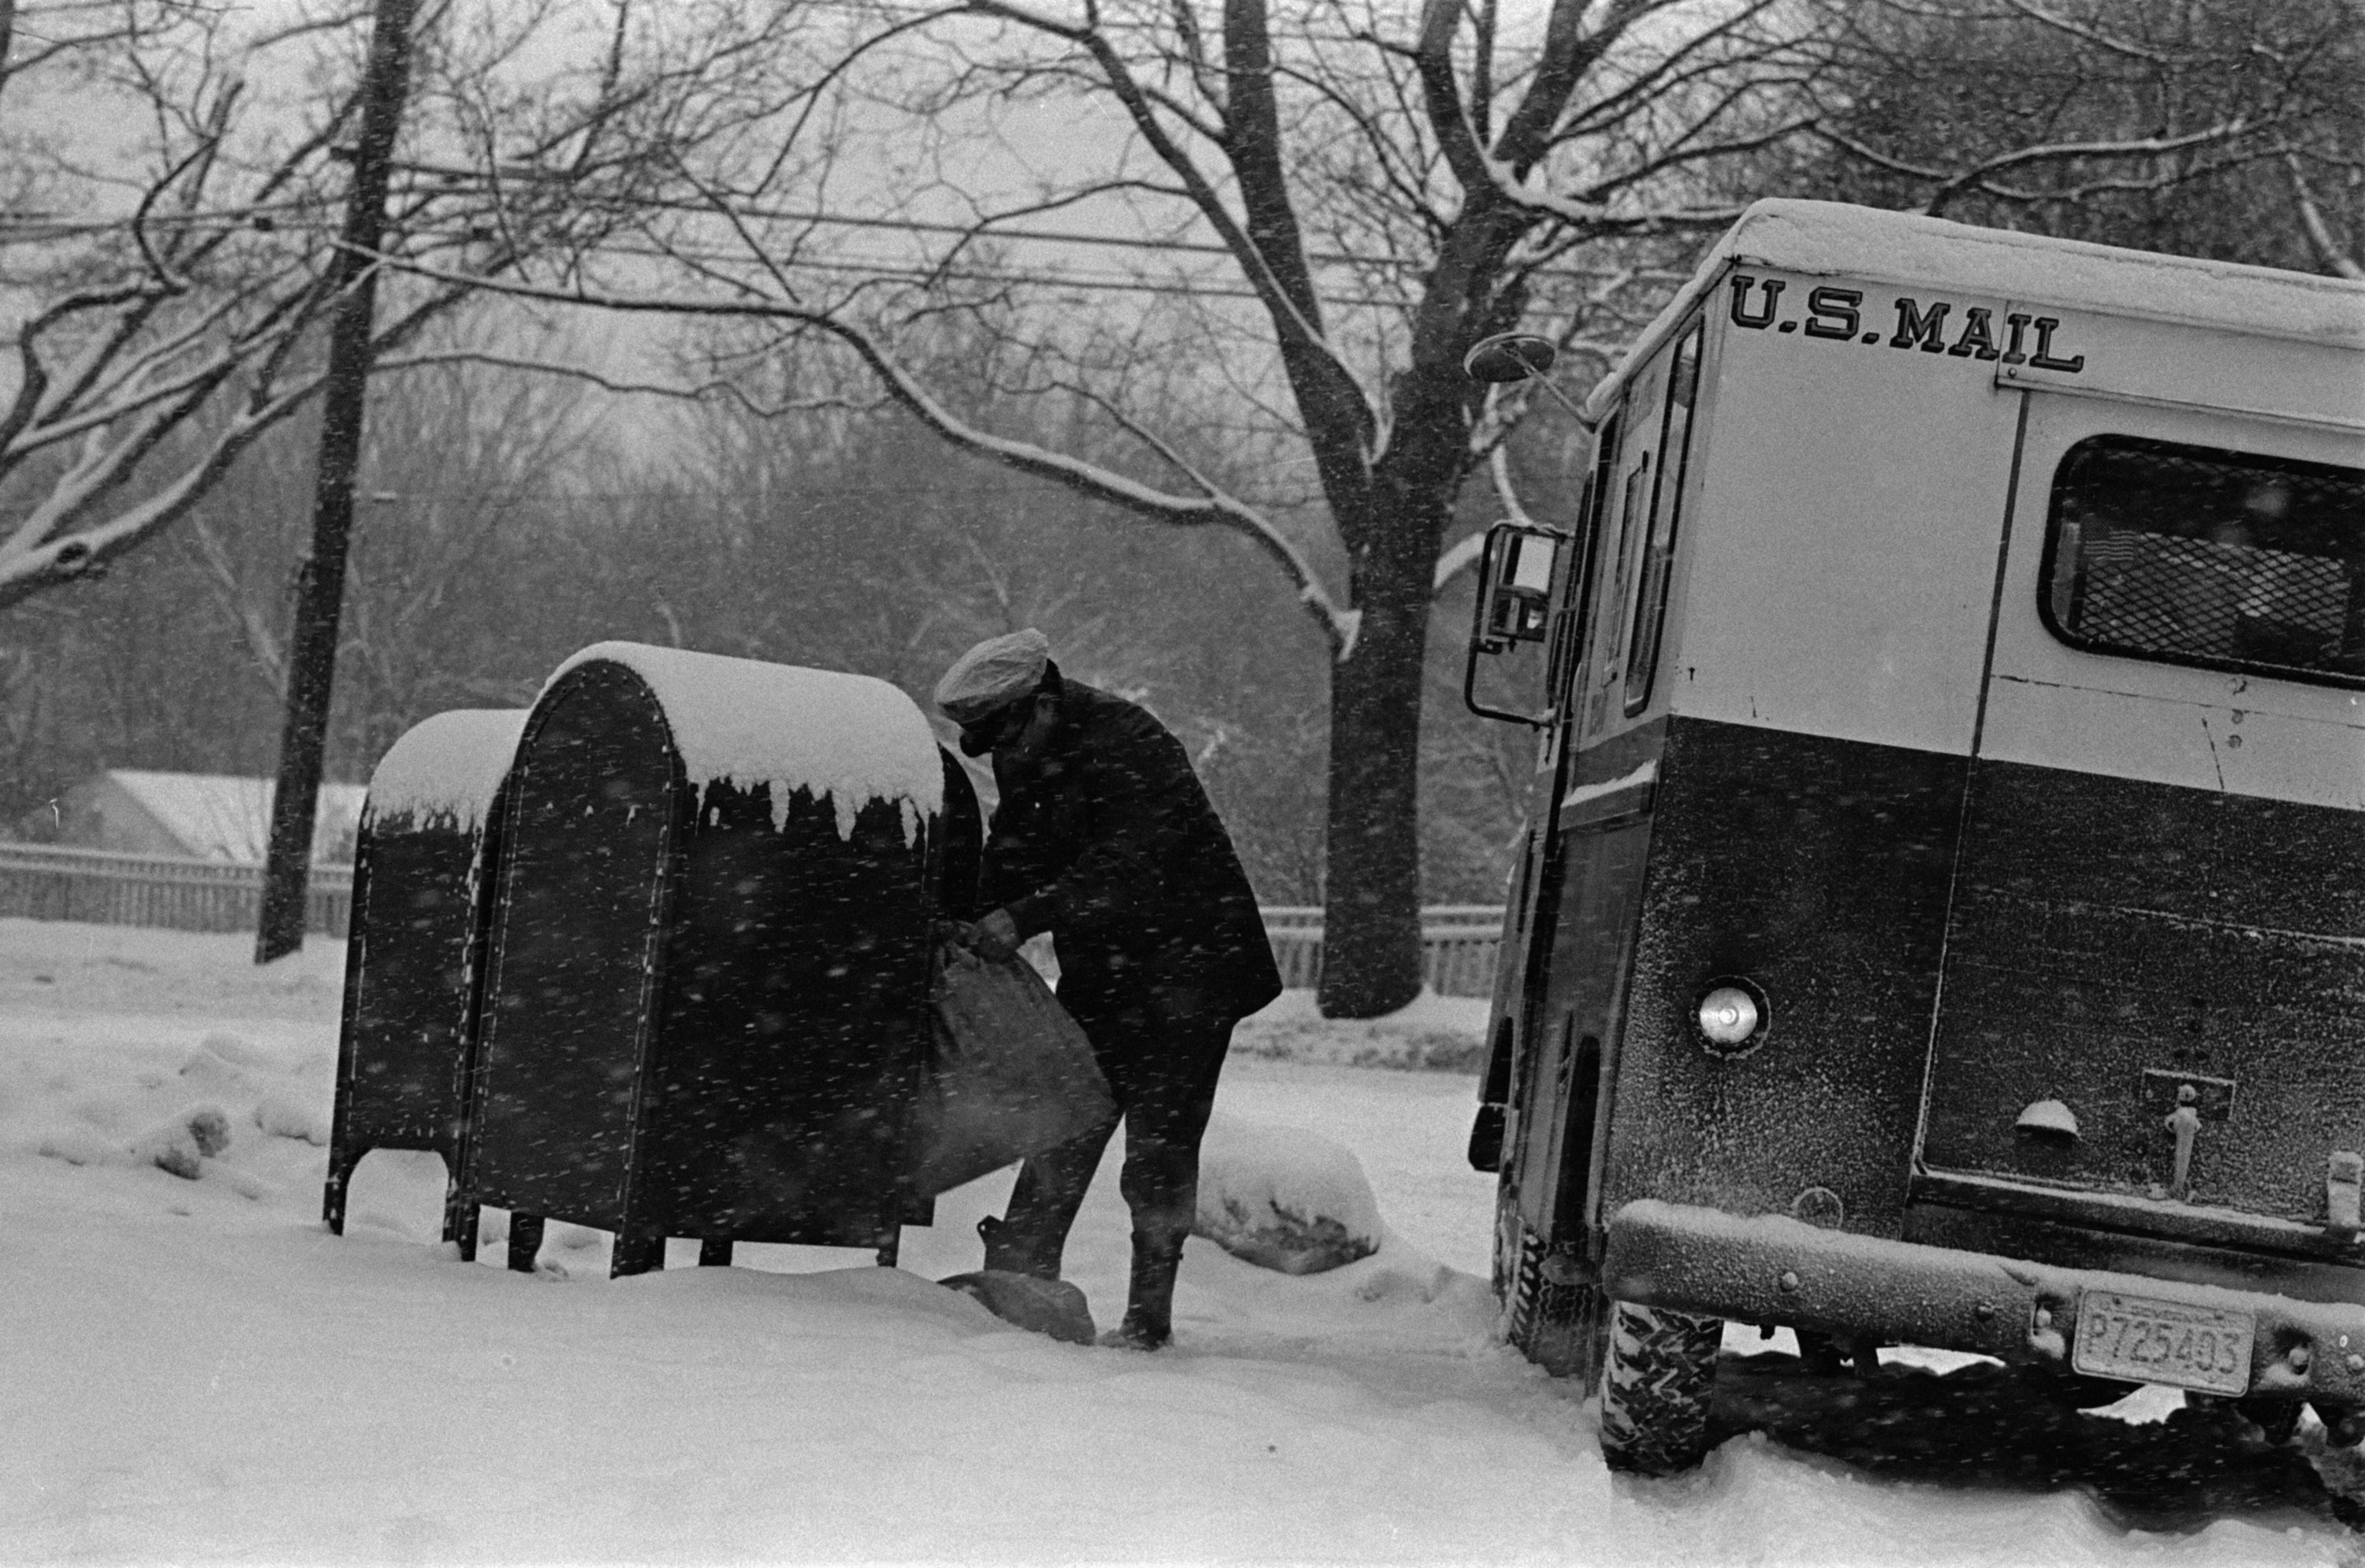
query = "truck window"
x=1659 y=553
x=2195 y=555
x=1569 y=641
x=1613 y=596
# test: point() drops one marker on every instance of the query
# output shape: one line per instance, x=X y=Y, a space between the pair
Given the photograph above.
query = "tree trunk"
x=1371 y=935
x=321 y=589
x=1371 y=923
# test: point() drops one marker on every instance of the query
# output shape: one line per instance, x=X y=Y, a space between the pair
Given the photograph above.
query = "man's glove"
x=995 y=937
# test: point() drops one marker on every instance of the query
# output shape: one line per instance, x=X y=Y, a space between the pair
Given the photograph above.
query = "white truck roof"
x=1834 y=239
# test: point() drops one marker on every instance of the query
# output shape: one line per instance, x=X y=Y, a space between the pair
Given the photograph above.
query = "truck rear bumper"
x=1773 y=1269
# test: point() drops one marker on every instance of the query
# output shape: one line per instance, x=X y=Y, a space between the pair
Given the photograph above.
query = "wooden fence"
x=40 y=883
x=1458 y=942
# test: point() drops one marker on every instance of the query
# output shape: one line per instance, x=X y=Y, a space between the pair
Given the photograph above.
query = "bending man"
x=1104 y=838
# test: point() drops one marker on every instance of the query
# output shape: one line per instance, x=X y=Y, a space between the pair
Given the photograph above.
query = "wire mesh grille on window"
x=2205 y=556
x=2192 y=596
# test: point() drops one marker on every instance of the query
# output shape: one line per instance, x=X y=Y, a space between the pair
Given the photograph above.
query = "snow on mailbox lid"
x=449 y=765
x=744 y=722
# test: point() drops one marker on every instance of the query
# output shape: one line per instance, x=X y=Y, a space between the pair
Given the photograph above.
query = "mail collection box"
x=416 y=950
x=705 y=1007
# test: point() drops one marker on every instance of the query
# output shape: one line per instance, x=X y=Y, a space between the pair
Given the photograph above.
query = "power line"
x=1111 y=24
x=785 y=496
x=987 y=229
x=1046 y=277
x=984 y=229
x=44 y=226
x=1051 y=277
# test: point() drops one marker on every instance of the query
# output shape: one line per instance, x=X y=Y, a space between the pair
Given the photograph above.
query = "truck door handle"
x=2185 y=1123
x=2344 y=1173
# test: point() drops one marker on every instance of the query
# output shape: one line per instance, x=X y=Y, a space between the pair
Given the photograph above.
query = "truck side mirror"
x=1515 y=586
x=1515 y=583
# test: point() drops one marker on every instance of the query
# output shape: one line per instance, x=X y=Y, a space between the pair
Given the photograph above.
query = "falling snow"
x=197 y=1372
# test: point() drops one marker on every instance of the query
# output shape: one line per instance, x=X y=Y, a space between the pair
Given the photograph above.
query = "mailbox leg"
x=526 y=1241
x=342 y=1161
x=715 y=1252
x=638 y=1252
x=460 y=1218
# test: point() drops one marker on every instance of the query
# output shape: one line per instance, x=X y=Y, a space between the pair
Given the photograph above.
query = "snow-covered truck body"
x=1942 y=920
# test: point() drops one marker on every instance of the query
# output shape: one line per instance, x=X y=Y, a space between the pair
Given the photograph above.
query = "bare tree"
x=171 y=232
x=184 y=283
x=1306 y=210
x=2185 y=126
x=200 y=288
x=1348 y=199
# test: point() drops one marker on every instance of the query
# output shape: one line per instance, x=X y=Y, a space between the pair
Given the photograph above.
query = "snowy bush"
x=180 y=1145
x=282 y=1115
x=205 y=1070
x=1284 y=1198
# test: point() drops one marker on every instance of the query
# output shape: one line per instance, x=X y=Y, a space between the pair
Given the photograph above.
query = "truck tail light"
x=1732 y=1016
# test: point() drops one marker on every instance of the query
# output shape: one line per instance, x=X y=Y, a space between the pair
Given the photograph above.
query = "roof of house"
x=218 y=817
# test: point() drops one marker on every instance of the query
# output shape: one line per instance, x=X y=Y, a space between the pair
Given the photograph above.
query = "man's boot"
x=1149 y=1305
x=1011 y=1251
x=1033 y=1231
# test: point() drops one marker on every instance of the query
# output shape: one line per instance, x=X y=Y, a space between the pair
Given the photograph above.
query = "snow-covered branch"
x=723 y=387
x=1978 y=176
x=1600 y=219
x=77 y=523
x=166 y=313
x=2334 y=256
x=1458 y=557
x=2113 y=42
x=1498 y=468
x=1951 y=182
x=1463 y=554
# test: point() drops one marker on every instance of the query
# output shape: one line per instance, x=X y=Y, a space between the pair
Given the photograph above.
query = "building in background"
x=194 y=816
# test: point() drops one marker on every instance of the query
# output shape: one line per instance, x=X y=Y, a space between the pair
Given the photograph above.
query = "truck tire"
x=2066 y=1390
x=1553 y=1311
x=1656 y=1380
x=2276 y=1419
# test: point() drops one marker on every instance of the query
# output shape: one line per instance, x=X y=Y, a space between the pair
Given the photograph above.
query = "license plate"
x=2145 y=1340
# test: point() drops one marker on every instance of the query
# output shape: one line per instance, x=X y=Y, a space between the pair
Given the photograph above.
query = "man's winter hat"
x=994 y=674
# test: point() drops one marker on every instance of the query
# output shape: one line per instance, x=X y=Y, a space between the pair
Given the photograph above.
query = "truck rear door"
x=2152 y=1010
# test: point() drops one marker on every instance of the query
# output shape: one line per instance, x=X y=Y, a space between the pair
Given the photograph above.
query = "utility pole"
x=320 y=583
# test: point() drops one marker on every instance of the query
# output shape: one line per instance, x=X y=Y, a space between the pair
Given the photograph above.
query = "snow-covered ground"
x=195 y=1370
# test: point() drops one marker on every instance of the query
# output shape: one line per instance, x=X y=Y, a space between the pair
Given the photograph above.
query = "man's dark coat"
x=1111 y=846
